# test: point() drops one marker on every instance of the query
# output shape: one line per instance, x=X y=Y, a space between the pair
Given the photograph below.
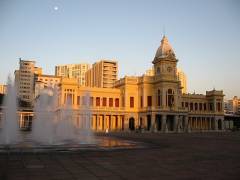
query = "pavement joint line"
x=108 y=169
x=63 y=166
x=84 y=167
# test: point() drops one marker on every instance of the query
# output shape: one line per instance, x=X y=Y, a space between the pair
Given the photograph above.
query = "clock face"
x=169 y=69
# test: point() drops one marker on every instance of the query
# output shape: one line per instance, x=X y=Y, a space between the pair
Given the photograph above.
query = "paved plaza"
x=158 y=156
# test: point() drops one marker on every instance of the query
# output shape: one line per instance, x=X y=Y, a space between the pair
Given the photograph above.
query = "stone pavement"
x=165 y=156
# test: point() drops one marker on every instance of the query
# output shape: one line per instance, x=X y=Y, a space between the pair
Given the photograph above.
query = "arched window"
x=196 y=106
x=159 y=98
x=205 y=106
x=210 y=106
x=200 y=107
x=131 y=124
x=219 y=106
x=158 y=70
x=170 y=98
x=191 y=106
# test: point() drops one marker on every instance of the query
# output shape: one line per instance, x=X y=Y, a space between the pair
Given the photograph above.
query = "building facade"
x=25 y=79
x=103 y=74
x=232 y=106
x=46 y=81
x=181 y=76
x=152 y=103
x=73 y=71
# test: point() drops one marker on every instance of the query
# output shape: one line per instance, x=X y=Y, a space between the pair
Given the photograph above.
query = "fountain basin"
x=27 y=144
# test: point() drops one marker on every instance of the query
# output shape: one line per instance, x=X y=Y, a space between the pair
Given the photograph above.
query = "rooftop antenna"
x=164 y=31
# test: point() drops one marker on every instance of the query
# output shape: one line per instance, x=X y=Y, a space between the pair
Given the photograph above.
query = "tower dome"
x=165 y=49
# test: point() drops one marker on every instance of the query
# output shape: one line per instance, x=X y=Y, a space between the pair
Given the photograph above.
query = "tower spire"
x=165 y=49
x=164 y=31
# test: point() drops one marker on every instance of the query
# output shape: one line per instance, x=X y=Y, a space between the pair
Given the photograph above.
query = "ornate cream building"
x=153 y=103
x=45 y=81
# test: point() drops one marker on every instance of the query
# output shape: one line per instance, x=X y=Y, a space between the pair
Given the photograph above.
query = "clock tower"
x=166 y=83
x=165 y=62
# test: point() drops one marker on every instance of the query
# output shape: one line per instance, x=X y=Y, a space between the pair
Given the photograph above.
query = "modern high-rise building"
x=103 y=74
x=25 y=79
x=181 y=76
x=76 y=71
x=3 y=89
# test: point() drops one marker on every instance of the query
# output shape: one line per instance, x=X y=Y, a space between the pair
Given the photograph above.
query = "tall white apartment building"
x=181 y=76
x=25 y=79
x=102 y=74
x=76 y=71
x=3 y=89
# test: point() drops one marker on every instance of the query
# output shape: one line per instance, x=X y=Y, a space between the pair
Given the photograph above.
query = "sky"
x=205 y=36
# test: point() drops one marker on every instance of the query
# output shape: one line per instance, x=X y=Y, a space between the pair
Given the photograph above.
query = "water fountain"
x=65 y=129
x=84 y=127
x=56 y=125
x=9 y=125
x=44 y=121
x=53 y=128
